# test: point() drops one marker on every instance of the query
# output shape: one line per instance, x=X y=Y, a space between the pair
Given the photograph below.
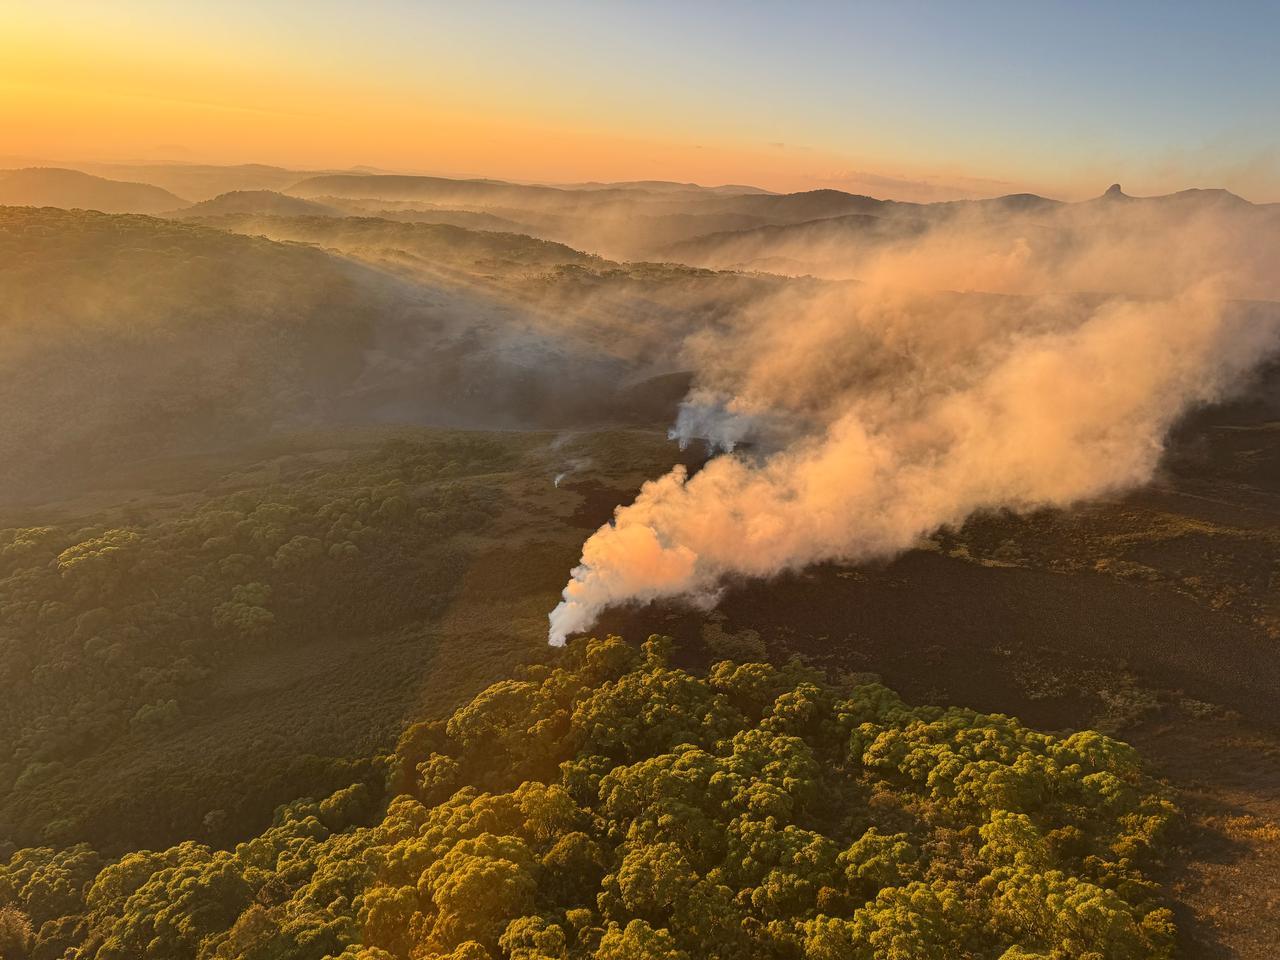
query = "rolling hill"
x=243 y=336
x=258 y=203
x=272 y=203
x=802 y=244
x=410 y=211
x=54 y=187
x=435 y=245
x=448 y=190
x=201 y=181
x=439 y=190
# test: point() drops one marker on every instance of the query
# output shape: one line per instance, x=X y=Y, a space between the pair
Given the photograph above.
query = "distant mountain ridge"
x=664 y=186
x=1193 y=195
x=445 y=190
x=271 y=203
x=260 y=203
x=434 y=244
x=71 y=189
x=721 y=227
x=829 y=233
x=201 y=181
x=731 y=249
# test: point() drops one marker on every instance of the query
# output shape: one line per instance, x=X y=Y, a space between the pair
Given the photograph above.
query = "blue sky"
x=1055 y=96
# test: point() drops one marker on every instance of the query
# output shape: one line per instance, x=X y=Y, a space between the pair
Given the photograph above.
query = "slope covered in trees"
x=440 y=245
x=612 y=806
x=257 y=203
x=243 y=336
x=116 y=631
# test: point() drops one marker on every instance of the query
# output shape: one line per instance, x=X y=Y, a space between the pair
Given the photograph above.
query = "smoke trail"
x=906 y=412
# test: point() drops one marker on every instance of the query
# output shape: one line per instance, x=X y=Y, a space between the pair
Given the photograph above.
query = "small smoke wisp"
x=889 y=411
x=574 y=466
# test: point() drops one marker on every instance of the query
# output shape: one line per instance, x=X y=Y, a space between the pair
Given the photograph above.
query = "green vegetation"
x=612 y=806
x=113 y=629
x=213 y=612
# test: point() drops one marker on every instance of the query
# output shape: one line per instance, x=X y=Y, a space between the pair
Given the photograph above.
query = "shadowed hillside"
x=169 y=336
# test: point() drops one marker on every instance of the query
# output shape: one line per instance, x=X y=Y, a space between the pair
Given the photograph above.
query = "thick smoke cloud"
x=879 y=412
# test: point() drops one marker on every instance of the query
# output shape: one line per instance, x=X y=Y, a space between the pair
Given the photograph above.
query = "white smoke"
x=714 y=421
x=892 y=412
x=572 y=467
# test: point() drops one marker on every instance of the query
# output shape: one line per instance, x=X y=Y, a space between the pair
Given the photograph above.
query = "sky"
x=910 y=100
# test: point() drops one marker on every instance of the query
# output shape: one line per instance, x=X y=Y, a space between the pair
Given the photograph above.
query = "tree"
x=757 y=813
x=16 y=934
x=638 y=941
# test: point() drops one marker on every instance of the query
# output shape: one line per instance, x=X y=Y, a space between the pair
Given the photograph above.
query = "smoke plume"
x=868 y=415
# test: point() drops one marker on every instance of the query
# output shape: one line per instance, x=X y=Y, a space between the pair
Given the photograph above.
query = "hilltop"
x=258 y=203
x=53 y=187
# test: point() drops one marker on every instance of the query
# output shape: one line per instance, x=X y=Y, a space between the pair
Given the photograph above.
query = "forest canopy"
x=114 y=627
x=616 y=807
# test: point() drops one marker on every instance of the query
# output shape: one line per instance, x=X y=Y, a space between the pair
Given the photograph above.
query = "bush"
x=614 y=807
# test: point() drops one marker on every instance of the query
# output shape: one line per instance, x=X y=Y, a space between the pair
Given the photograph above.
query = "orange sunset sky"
x=857 y=97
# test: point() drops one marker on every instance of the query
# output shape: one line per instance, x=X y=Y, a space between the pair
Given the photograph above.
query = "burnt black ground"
x=1154 y=616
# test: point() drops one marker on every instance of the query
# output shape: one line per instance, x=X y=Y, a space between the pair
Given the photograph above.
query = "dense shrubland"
x=113 y=628
x=612 y=806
